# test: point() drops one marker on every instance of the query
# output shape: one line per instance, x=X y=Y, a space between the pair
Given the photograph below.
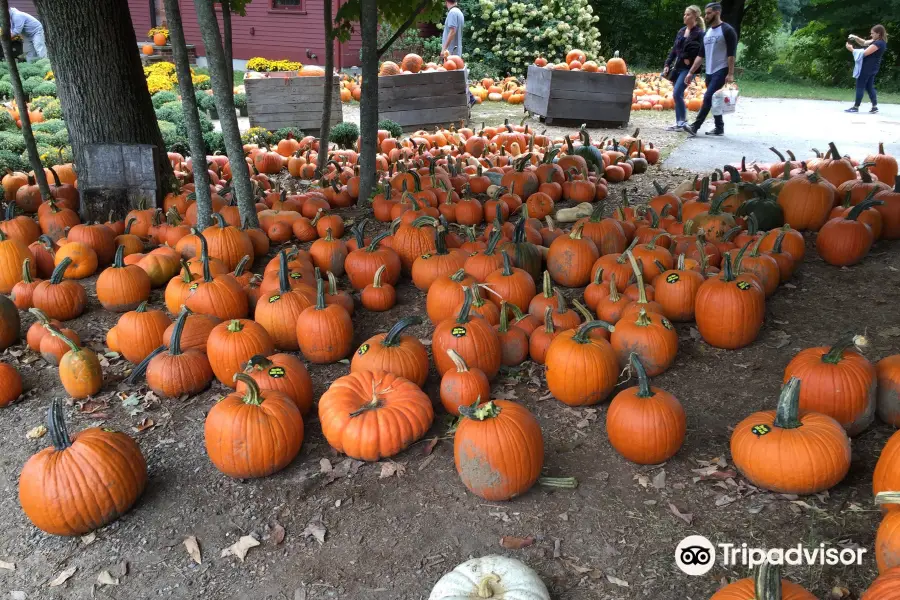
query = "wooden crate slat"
x=580 y=80
x=279 y=121
x=427 y=115
x=534 y=103
x=421 y=91
x=589 y=96
x=436 y=78
x=583 y=111
x=416 y=103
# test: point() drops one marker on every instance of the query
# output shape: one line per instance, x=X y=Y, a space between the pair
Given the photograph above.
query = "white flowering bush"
x=507 y=35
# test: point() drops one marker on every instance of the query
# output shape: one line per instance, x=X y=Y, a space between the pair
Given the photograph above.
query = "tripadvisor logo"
x=696 y=555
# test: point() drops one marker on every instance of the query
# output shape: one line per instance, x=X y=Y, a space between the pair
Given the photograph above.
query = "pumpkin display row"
x=709 y=251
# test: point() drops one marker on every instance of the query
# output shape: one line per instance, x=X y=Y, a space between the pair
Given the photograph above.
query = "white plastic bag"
x=724 y=101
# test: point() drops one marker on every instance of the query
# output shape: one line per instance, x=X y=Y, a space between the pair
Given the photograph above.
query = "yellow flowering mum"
x=263 y=65
x=49 y=76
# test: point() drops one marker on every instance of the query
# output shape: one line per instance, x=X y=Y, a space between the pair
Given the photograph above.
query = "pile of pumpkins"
x=413 y=63
x=577 y=60
x=653 y=92
x=471 y=226
x=508 y=90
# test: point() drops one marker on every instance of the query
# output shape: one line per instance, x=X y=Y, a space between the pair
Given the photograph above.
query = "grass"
x=753 y=88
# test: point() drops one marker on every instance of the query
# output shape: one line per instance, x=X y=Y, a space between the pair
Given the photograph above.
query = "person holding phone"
x=875 y=47
x=684 y=51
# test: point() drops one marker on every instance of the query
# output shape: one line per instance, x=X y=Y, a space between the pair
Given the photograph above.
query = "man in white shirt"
x=32 y=33
x=453 y=30
x=719 y=49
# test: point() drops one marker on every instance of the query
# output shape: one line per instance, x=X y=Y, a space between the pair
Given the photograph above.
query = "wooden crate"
x=424 y=100
x=579 y=97
x=285 y=100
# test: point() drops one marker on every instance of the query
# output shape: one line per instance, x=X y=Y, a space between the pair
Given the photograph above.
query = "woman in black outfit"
x=684 y=51
x=871 y=62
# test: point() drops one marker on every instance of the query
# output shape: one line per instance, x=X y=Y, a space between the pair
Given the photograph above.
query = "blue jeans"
x=866 y=83
x=714 y=83
x=678 y=96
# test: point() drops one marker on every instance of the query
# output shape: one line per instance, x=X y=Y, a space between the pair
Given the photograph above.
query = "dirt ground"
x=331 y=527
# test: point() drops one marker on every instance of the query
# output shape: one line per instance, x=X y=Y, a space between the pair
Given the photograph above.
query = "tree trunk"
x=22 y=102
x=226 y=40
x=191 y=118
x=102 y=89
x=224 y=94
x=325 y=129
x=368 y=107
x=733 y=14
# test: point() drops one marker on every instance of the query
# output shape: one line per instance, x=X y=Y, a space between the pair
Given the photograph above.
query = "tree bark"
x=223 y=92
x=733 y=14
x=191 y=117
x=226 y=40
x=325 y=129
x=22 y=102
x=102 y=89
x=368 y=108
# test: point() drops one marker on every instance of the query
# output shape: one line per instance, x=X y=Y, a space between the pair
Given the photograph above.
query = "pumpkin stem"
x=577 y=231
x=644 y=390
x=561 y=307
x=379 y=274
x=581 y=335
x=767 y=583
x=239 y=269
x=864 y=205
x=639 y=278
x=26 y=272
x=56 y=426
x=727 y=271
x=458 y=361
x=128 y=225
x=204 y=258
x=141 y=368
x=487 y=583
x=57 y=333
x=253 y=395
x=186 y=275
x=887 y=498
x=643 y=319
x=559 y=483
x=494 y=239
x=175 y=341
x=372 y=405
x=613 y=289
x=507 y=265
x=320 y=291
x=235 y=326
x=39 y=315
x=488 y=410
x=787 y=413
x=373 y=246
x=392 y=338
x=583 y=311
x=142 y=307
x=835 y=354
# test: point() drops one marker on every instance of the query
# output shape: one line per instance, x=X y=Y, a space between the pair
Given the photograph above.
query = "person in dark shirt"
x=685 y=50
x=875 y=47
x=718 y=50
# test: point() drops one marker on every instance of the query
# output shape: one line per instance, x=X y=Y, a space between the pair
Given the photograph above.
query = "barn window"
x=287 y=5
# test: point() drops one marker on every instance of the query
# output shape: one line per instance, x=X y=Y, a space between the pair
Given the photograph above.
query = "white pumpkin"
x=494 y=577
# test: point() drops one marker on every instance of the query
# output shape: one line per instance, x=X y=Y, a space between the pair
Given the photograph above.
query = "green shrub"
x=206 y=102
x=181 y=146
x=47 y=88
x=12 y=161
x=45 y=152
x=284 y=132
x=28 y=85
x=240 y=100
x=393 y=127
x=7 y=123
x=169 y=132
x=49 y=126
x=28 y=70
x=49 y=105
x=160 y=98
x=6 y=89
x=60 y=138
x=58 y=156
x=12 y=141
x=257 y=135
x=42 y=138
x=206 y=84
x=43 y=66
x=345 y=134
x=214 y=141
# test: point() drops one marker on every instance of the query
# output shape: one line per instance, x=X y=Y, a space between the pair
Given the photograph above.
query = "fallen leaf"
x=17 y=595
x=111 y=354
x=556 y=551
x=695 y=333
x=240 y=547
x=316 y=529
x=617 y=581
x=89 y=539
x=686 y=517
x=277 y=534
x=509 y=394
x=104 y=578
x=579 y=569
x=63 y=577
x=193 y=549
x=889 y=332
x=92 y=406
x=300 y=593
x=516 y=543
x=144 y=425
x=389 y=469
x=659 y=480
x=7 y=565
x=325 y=466
x=36 y=433
x=780 y=339
x=429 y=447
x=642 y=480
